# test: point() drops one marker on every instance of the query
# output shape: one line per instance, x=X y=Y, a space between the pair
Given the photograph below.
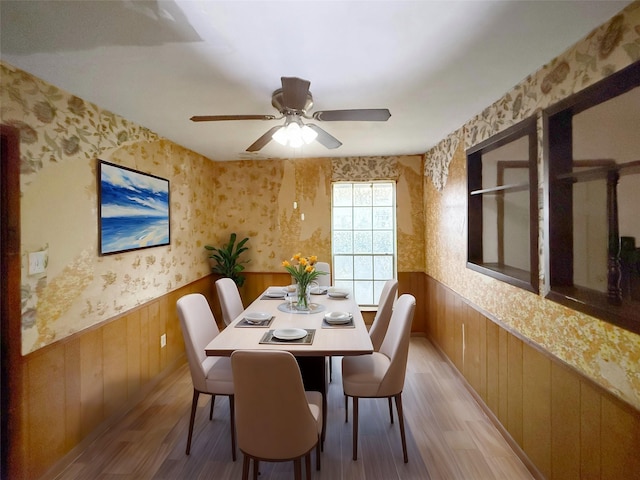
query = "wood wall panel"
x=115 y=375
x=565 y=416
x=492 y=398
x=134 y=362
x=72 y=388
x=91 y=381
x=566 y=425
x=153 y=338
x=620 y=451
x=73 y=429
x=503 y=377
x=45 y=402
x=514 y=388
x=144 y=345
x=590 y=432
x=536 y=408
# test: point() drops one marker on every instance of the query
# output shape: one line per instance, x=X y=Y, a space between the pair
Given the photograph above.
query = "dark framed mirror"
x=592 y=175
x=502 y=206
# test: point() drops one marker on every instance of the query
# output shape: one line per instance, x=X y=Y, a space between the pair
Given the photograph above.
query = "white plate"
x=256 y=317
x=290 y=333
x=275 y=294
x=338 y=293
x=337 y=318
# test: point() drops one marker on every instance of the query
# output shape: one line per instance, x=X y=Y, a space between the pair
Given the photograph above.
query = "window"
x=593 y=168
x=364 y=238
x=502 y=206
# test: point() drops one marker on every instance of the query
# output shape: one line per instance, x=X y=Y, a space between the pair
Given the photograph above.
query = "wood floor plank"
x=448 y=435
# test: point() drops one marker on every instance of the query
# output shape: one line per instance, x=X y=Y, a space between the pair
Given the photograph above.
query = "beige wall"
x=607 y=354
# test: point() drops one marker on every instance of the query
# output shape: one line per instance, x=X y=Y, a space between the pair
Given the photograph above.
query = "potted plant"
x=225 y=260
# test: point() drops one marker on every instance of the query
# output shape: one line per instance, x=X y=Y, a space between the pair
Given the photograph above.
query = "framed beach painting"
x=133 y=209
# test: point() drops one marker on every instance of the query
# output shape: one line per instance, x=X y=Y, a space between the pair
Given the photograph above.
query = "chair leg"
x=330 y=369
x=346 y=409
x=401 y=422
x=245 y=467
x=318 y=454
x=355 y=428
x=213 y=400
x=194 y=406
x=297 y=469
x=232 y=418
x=256 y=468
x=390 y=410
x=307 y=466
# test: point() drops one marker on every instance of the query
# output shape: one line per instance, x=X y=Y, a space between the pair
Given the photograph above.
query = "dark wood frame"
x=559 y=179
x=527 y=280
x=12 y=449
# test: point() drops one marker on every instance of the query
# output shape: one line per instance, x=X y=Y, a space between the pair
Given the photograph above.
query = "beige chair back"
x=198 y=328
x=323 y=280
x=396 y=345
x=273 y=418
x=385 y=306
x=230 y=301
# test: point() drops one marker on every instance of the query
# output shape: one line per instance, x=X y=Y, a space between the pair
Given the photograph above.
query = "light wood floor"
x=448 y=435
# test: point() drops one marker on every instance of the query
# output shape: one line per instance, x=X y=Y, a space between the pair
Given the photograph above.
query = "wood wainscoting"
x=75 y=388
x=568 y=426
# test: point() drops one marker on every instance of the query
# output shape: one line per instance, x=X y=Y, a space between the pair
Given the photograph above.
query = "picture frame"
x=133 y=209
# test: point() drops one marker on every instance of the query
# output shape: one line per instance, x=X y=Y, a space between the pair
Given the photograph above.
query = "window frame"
x=394 y=230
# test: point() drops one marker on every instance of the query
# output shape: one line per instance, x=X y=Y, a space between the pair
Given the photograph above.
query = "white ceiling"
x=434 y=64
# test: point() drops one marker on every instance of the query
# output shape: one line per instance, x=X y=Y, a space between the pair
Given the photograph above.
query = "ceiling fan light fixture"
x=280 y=136
x=294 y=134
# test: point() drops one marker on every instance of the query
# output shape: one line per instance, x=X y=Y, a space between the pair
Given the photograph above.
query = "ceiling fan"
x=294 y=101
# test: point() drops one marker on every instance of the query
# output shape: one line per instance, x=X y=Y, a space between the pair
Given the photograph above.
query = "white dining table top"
x=334 y=341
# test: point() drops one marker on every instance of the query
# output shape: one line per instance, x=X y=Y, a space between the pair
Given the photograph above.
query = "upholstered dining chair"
x=323 y=280
x=276 y=420
x=230 y=301
x=381 y=320
x=383 y=315
x=381 y=374
x=209 y=375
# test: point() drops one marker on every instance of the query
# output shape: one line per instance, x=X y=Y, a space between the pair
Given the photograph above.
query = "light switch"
x=37 y=262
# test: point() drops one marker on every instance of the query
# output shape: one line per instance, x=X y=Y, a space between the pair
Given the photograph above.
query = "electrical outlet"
x=163 y=340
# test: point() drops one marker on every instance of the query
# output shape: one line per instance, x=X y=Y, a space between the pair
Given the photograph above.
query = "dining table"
x=272 y=321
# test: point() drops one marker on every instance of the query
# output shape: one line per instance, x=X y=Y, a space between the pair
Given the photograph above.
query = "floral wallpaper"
x=607 y=354
x=355 y=169
x=61 y=139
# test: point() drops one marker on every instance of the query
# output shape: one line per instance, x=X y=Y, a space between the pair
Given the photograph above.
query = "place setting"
x=301 y=336
x=278 y=293
x=256 y=319
x=338 y=320
x=338 y=293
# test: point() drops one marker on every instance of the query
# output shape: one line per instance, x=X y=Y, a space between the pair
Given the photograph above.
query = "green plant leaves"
x=227 y=262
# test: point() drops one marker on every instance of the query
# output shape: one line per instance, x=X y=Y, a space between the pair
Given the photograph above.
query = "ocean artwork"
x=134 y=209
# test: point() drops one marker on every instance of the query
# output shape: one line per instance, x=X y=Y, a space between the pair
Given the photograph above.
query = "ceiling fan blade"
x=357 y=115
x=217 y=118
x=264 y=139
x=324 y=138
x=294 y=92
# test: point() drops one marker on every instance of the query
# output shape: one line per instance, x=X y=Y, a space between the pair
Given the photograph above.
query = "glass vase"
x=304 y=297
